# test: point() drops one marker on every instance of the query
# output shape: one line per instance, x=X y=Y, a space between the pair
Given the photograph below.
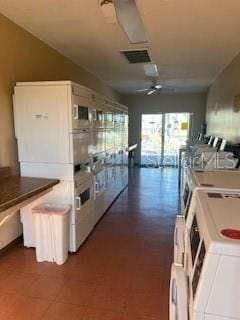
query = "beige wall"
x=25 y=58
x=137 y=105
x=221 y=119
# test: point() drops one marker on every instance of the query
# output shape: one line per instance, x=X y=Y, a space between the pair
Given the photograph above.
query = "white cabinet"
x=41 y=123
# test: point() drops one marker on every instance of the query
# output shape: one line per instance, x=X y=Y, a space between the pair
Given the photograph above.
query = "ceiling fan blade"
x=130 y=20
x=142 y=90
x=158 y=86
x=151 y=92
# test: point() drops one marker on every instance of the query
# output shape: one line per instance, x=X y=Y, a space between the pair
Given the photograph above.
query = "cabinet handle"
x=173 y=293
x=75 y=112
x=96 y=187
x=78 y=203
x=176 y=236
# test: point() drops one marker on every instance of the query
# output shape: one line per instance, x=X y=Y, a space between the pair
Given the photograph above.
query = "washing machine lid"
x=178 y=299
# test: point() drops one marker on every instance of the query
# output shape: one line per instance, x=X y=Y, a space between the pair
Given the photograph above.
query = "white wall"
x=139 y=104
x=221 y=118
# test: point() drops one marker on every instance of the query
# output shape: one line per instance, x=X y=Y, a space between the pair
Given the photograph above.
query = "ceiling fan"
x=154 y=87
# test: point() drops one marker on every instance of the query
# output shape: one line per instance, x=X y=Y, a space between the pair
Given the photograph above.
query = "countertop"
x=15 y=189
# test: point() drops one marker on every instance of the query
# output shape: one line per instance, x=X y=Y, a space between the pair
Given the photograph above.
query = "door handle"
x=174 y=293
x=78 y=203
x=75 y=112
x=96 y=187
x=176 y=236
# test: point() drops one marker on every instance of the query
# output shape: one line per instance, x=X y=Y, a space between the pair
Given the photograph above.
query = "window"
x=82 y=113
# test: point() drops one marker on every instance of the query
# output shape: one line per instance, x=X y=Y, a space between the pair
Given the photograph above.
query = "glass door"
x=151 y=139
x=162 y=135
x=176 y=133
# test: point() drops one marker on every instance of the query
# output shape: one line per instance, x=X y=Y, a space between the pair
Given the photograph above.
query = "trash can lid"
x=52 y=209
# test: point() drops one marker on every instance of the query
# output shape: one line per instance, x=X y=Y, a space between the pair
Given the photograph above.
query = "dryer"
x=206 y=287
x=214 y=256
x=199 y=179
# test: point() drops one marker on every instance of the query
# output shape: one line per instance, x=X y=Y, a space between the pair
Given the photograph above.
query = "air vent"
x=137 y=56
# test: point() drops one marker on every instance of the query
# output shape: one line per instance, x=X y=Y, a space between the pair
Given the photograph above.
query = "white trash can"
x=51 y=228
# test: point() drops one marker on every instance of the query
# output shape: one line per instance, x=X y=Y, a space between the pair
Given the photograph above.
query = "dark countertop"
x=16 y=189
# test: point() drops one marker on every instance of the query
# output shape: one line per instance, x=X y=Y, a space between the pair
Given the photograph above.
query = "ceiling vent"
x=137 y=56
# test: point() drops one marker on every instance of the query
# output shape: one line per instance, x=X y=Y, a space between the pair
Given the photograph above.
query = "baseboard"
x=11 y=245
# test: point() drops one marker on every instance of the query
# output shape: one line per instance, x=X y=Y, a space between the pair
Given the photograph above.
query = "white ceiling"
x=191 y=41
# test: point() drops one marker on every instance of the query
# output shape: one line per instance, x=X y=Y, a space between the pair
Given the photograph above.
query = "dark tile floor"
x=122 y=271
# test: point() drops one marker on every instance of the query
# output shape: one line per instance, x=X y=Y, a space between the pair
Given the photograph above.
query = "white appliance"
x=119 y=125
x=63 y=131
x=77 y=191
x=99 y=189
x=214 y=252
x=98 y=141
x=228 y=162
x=215 y=159
x=99 y=123
x=199 y=179
x=47 y=126
x=98 y=112
x=212 y=145
x=178 y=294
x=109 y=115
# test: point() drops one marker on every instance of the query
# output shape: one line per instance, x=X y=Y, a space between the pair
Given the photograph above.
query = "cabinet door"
x=81 y=146
x=99 y=183
x=98 y=118
x=83 y=194
x=110 y=143
x=98 y=141
x=81 y=112
x=41 y=122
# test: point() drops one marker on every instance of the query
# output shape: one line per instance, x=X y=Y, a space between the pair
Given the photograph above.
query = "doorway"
x=162 y=135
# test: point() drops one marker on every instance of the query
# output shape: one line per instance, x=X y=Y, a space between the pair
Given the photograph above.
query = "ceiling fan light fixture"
x=151 y=70
x=158 y=86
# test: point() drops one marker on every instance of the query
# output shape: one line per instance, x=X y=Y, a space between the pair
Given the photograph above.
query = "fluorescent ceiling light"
x=130 y=20
x=151 y=70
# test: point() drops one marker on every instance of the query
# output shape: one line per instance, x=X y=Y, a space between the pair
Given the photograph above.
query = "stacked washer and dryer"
x=207 y=248
x=66 y=131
